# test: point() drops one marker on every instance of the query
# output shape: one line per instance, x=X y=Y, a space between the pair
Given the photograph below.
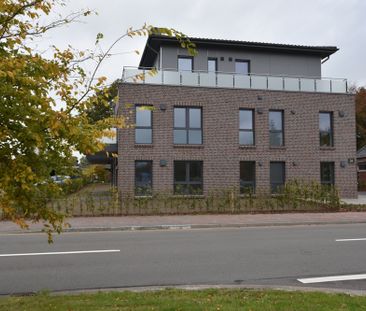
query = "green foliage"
x=35 y=137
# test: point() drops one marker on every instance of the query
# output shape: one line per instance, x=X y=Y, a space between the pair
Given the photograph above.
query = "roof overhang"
x=154 y=42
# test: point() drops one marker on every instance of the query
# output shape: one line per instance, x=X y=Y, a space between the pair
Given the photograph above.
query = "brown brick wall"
x=221 y=152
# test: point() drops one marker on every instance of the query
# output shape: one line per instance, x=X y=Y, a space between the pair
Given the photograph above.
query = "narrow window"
x=143 y=128
x=185 y=63
x=327 y=173
x=276 y=128
x=212 y=65
x=143 y=178
x=326 y=129
x=277 y=176
x=247 y=177
x=241 y=67
x=187 y=125
x=188 y=177
x=246 y=127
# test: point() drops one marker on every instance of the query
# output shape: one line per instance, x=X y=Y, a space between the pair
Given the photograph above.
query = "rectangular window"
x=241 y=67
x=327 y=173
x=246 y=127
x=185 y=63
x=277 y=176
x=326 y=129
x=212 y=65
x=187 y=125
x=276 y=137
x=143 y=127
x=247 y=177
x=143 y=178
x=188 y=177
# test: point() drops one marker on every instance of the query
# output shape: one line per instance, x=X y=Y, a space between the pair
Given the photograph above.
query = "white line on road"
x=334 y=278
x=62 y=253
x=345 y=240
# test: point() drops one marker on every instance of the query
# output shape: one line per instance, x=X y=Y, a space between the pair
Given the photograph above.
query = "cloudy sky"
x=313 y=22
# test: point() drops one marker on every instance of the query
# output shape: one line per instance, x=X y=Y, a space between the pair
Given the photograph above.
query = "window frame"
x=187 y=182
x=275 y=186
x=216 y=64
x=331 y=182
x=137 y=127
x=243 y=61
x=331 y=130
x=149 y=193
x=246 y=130
x=187 y=128
x=185 y=57
x=282 y=131
x=252 y=184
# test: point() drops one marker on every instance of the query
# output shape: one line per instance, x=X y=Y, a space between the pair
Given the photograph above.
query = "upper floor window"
x=188 y=177
x=326 y=129
x=212 y=65
x=143 y=178
x=247 y=177
x=187 y=125
x=276 y=128
x=143 y=127
x=327 y=173
x=185 y=63
x=246 y=127
x=277 y=176
x=241 y=67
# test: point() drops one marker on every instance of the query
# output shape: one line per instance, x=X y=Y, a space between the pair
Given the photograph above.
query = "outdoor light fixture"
x=260 y=110
x=163 y=162
x=162 y=107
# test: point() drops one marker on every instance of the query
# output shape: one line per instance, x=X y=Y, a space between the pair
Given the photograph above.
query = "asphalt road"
x=257 y=256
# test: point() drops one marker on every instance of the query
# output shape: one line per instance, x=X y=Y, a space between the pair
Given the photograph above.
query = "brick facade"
x=220 y=151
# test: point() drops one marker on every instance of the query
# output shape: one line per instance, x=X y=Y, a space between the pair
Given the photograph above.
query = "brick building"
x=238 y=114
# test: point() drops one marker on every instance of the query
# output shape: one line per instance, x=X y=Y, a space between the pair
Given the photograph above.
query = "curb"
x=192 y=226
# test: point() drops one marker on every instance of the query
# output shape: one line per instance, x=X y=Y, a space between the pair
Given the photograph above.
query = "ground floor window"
x=277 y=176
x=247 y=177
x=327 y=173
x=143 y=178
x=188 y=177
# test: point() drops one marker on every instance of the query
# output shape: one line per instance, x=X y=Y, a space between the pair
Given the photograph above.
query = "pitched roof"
x=155 y=41
x=361 y=153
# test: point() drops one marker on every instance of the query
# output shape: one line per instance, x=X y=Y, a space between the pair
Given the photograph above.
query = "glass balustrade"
x=230 y=80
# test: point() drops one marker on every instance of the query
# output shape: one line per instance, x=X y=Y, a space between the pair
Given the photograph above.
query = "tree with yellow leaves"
x=35 y=136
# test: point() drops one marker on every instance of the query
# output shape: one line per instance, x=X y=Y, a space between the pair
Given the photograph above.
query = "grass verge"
x=172 y=299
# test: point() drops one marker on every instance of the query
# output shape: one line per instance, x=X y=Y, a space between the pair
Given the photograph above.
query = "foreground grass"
x=187 y=300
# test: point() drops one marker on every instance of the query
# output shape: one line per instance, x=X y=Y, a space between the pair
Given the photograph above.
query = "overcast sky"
x=312 y=22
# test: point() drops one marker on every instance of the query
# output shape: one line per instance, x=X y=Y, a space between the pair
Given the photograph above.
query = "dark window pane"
x=179 y=117
x=327 y=173
x=276 y=139
x=185 y=64
x=325 y=139
x=277 y=176
x=180 y=137
x=247 y=177
x=143 y=177
x=195 y=137
x=195 y=171
x=246 y=119
x=195 y=118
x=242 y=67
x=143 y=136
x=212 y=65
x=275 y=120
x=246 y=138
x=180 y=171
x=143 y=116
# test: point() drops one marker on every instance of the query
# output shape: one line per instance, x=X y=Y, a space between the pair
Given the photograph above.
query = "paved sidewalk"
x=196 y=221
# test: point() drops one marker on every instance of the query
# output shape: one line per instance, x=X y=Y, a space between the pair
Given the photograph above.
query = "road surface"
x=332 y=256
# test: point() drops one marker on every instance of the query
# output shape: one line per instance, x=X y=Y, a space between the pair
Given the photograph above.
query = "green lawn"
x=187 y=300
